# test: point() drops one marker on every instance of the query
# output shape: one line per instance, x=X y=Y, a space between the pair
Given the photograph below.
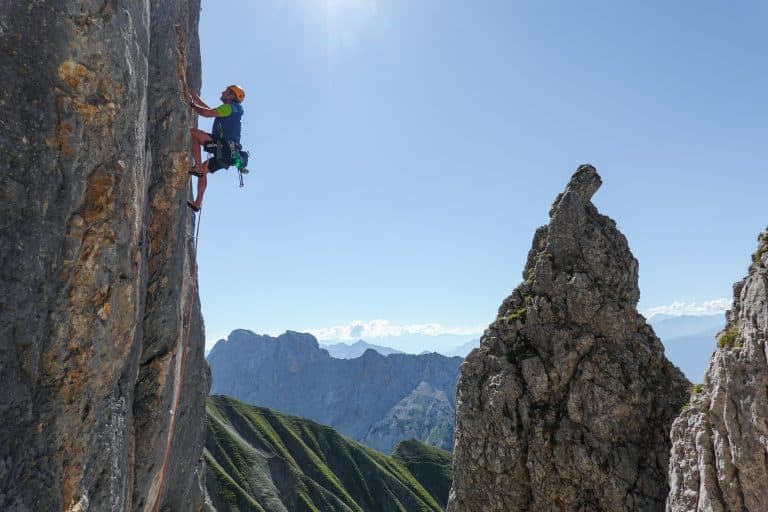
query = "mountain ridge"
x=292 y=374
x=351 y=351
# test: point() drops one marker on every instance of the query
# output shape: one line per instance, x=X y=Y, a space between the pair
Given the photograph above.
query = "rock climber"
x=223 y=140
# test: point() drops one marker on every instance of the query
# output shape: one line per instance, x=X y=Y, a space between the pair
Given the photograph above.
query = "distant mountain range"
x=347 y=351
x=413 y=343
x=670 y=327
x=260 y=459
x=463 y=350
x=343 y=350
x=688 y=340
x=375 y=399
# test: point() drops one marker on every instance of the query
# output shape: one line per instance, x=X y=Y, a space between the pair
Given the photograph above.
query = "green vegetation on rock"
x=511 y=316
x=261 y=460
x=728 y=338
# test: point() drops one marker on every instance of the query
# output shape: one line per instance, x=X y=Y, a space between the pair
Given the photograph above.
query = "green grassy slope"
x=431 y=466
x=261 y=460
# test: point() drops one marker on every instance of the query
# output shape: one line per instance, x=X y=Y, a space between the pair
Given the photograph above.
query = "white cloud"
x=384 y=329
x=710 y=307
x=211 y=340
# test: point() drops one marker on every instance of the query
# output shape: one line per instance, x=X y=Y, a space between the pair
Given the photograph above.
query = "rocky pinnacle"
x=719 y=456
x=568 y=402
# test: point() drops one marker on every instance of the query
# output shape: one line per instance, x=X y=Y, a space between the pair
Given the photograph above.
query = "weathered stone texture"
x=568 y=402
x=96 y=259
x=719 y=456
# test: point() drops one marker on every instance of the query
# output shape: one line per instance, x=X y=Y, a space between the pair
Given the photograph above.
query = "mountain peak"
x=570 y=387
x=584 y=182
x=299 y=339
x=578 y=263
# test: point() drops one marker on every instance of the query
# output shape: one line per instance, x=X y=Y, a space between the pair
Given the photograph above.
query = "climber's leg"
x=202 y=183
x=198 y=137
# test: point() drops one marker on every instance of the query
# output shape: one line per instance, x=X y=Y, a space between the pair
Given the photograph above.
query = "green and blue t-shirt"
x=227 y=123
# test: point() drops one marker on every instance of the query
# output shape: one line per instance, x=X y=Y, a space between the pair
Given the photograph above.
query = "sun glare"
x=340 y=8
x=348 y=22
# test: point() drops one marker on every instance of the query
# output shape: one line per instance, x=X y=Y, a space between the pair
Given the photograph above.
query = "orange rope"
x=177 y=392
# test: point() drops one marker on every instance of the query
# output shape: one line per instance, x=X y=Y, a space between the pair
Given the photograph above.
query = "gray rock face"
x=426 y=414
x=719 y=458
x=568 y=402
x=372 y=398
x=96 y=261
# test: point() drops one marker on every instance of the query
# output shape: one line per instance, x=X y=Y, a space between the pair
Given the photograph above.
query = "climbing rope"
x=177 y=391
x=182 y=72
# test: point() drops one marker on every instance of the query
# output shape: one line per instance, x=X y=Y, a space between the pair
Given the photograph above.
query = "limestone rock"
x=96 y=263
x=720 y=441
x=426 y=414
x=568 y=402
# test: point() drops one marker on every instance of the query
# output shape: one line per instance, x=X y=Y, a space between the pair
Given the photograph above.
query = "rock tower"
x=719 y=457
x=568 y=402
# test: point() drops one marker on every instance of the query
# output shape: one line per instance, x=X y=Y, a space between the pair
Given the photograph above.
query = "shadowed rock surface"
x=568 y=402
x=375 y=399
x=96 y=286
x=719 y=456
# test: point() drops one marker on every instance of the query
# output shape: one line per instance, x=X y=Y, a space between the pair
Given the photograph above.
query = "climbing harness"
x=221 y=159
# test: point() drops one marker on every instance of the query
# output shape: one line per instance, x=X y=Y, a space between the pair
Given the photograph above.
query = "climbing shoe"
x=194 y=207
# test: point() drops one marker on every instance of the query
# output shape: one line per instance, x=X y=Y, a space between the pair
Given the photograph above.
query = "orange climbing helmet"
x=238 y=92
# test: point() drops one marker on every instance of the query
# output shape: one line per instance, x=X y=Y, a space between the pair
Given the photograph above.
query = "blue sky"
x=405 y=152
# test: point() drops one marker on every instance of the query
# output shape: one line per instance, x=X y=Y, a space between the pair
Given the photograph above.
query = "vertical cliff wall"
x=568 y=402
x=719 y=459
x=96 y=258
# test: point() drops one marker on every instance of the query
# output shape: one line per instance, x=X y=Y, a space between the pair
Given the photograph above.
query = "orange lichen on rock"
x=99 y=195
x=73 y=73
x=96 y=115
x=63 y=131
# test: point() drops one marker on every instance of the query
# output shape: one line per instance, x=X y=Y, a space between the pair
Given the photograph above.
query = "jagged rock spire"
x=568 y=402
x=719 y=456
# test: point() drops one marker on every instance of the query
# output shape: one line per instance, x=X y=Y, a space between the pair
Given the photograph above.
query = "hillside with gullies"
x=720 y=441
x=568 y=403
x=261 y=460
x=101 y=358
x=432 y=467
x=375 y=399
